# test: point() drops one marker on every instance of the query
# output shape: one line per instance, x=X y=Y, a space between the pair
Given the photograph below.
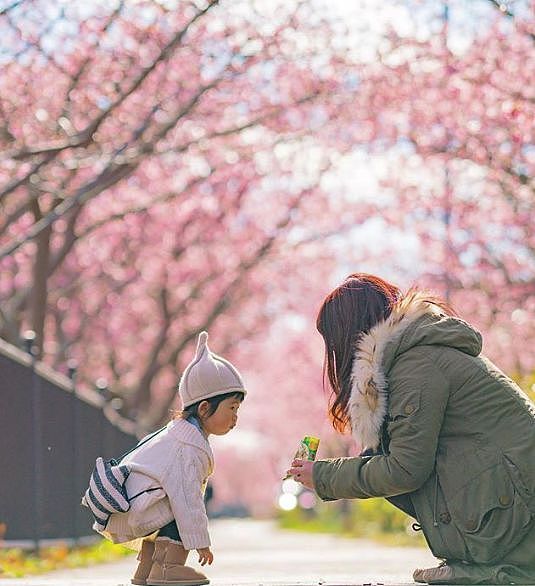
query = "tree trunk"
x=39 y=294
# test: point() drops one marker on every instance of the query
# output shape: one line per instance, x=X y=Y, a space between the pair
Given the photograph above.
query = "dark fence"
x=50 y=436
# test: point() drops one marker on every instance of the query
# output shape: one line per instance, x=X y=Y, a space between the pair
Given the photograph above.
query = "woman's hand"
x=301 y=470
x=205 y=556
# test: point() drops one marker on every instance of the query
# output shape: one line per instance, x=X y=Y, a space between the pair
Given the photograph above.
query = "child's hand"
x=301 y=470
x=205 y=556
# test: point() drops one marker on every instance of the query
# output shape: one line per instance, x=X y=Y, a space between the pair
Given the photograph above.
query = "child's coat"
x=172 y=469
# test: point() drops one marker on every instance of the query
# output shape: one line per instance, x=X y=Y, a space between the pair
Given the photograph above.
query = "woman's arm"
x=418 y=394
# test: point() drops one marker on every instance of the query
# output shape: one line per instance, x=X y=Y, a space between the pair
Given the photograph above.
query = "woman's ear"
x=203 y=409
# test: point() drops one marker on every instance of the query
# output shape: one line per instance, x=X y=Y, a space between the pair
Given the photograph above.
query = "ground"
x=257 y=553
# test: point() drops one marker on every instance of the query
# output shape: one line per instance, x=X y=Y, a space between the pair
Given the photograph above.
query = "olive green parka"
x=451 y=431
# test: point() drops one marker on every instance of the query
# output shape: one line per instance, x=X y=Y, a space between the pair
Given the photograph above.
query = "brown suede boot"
x=464 y=573
x=158 y=557
x=168 y=567
x=145 y=563
x=442 y=574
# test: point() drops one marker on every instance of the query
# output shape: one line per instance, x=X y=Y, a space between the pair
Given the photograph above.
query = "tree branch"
x=85 y=63
x=111 y=175
x=165 y=197
x=84 y=137
x=502 y=7
x=11 y=7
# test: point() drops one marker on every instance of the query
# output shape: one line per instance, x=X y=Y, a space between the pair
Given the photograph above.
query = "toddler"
x=169 y=474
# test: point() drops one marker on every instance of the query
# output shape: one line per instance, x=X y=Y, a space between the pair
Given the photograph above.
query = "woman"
x=448 y=437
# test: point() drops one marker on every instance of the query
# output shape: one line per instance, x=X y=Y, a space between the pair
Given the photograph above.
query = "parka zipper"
x=435 y=504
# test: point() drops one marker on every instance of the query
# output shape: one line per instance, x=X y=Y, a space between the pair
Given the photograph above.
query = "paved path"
x=256 y=553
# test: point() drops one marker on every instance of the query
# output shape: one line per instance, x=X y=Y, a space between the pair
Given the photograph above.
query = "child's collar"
x=195 y=422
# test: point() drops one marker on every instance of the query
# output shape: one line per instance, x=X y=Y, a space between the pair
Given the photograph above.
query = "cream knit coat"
x=170 y=471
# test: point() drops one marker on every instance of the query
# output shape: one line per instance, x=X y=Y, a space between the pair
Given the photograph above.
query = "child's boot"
x=145 y=563
x=158 y=557
x=168 y=567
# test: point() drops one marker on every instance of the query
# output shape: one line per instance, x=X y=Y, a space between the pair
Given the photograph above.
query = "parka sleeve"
x=184 y=488
x=418 y=394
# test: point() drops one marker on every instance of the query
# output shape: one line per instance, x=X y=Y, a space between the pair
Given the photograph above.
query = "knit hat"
x=207 y=376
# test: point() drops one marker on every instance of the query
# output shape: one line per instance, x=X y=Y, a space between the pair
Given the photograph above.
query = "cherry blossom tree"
x=173 y=166
x=455 y=112
x=154 y=155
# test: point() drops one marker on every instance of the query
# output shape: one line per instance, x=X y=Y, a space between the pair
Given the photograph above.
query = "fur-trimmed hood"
x=377 y=350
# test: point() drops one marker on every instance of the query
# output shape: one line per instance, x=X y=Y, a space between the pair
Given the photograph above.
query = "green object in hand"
x=307 y=450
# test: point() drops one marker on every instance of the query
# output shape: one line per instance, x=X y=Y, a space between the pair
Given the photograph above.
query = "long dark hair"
x=348 y=312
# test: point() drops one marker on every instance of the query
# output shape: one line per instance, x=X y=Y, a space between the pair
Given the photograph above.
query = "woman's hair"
x=348 y=312
x=213 y=402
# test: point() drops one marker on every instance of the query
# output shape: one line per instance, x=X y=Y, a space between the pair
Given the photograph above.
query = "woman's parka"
x=448 y=428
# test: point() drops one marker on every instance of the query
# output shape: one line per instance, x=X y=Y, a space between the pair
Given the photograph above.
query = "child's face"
x=224 y=417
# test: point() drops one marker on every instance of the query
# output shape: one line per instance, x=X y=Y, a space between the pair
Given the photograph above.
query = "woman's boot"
x=461 y=573
x=145 y=563
x=168 y=567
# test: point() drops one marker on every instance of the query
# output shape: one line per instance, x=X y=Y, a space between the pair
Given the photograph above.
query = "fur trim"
x=368 y=402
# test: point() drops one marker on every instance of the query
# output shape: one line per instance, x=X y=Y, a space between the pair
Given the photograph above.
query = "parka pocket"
x=491 y=514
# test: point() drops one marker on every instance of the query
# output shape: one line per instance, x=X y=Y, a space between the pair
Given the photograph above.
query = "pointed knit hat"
x=208 y=375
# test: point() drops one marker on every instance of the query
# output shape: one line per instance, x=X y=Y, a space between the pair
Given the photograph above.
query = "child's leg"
x=171 y=531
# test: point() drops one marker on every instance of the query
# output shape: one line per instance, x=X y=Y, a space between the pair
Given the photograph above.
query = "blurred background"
x=171 y=166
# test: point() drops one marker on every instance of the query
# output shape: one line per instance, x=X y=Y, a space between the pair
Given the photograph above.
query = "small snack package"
x=307 y=450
